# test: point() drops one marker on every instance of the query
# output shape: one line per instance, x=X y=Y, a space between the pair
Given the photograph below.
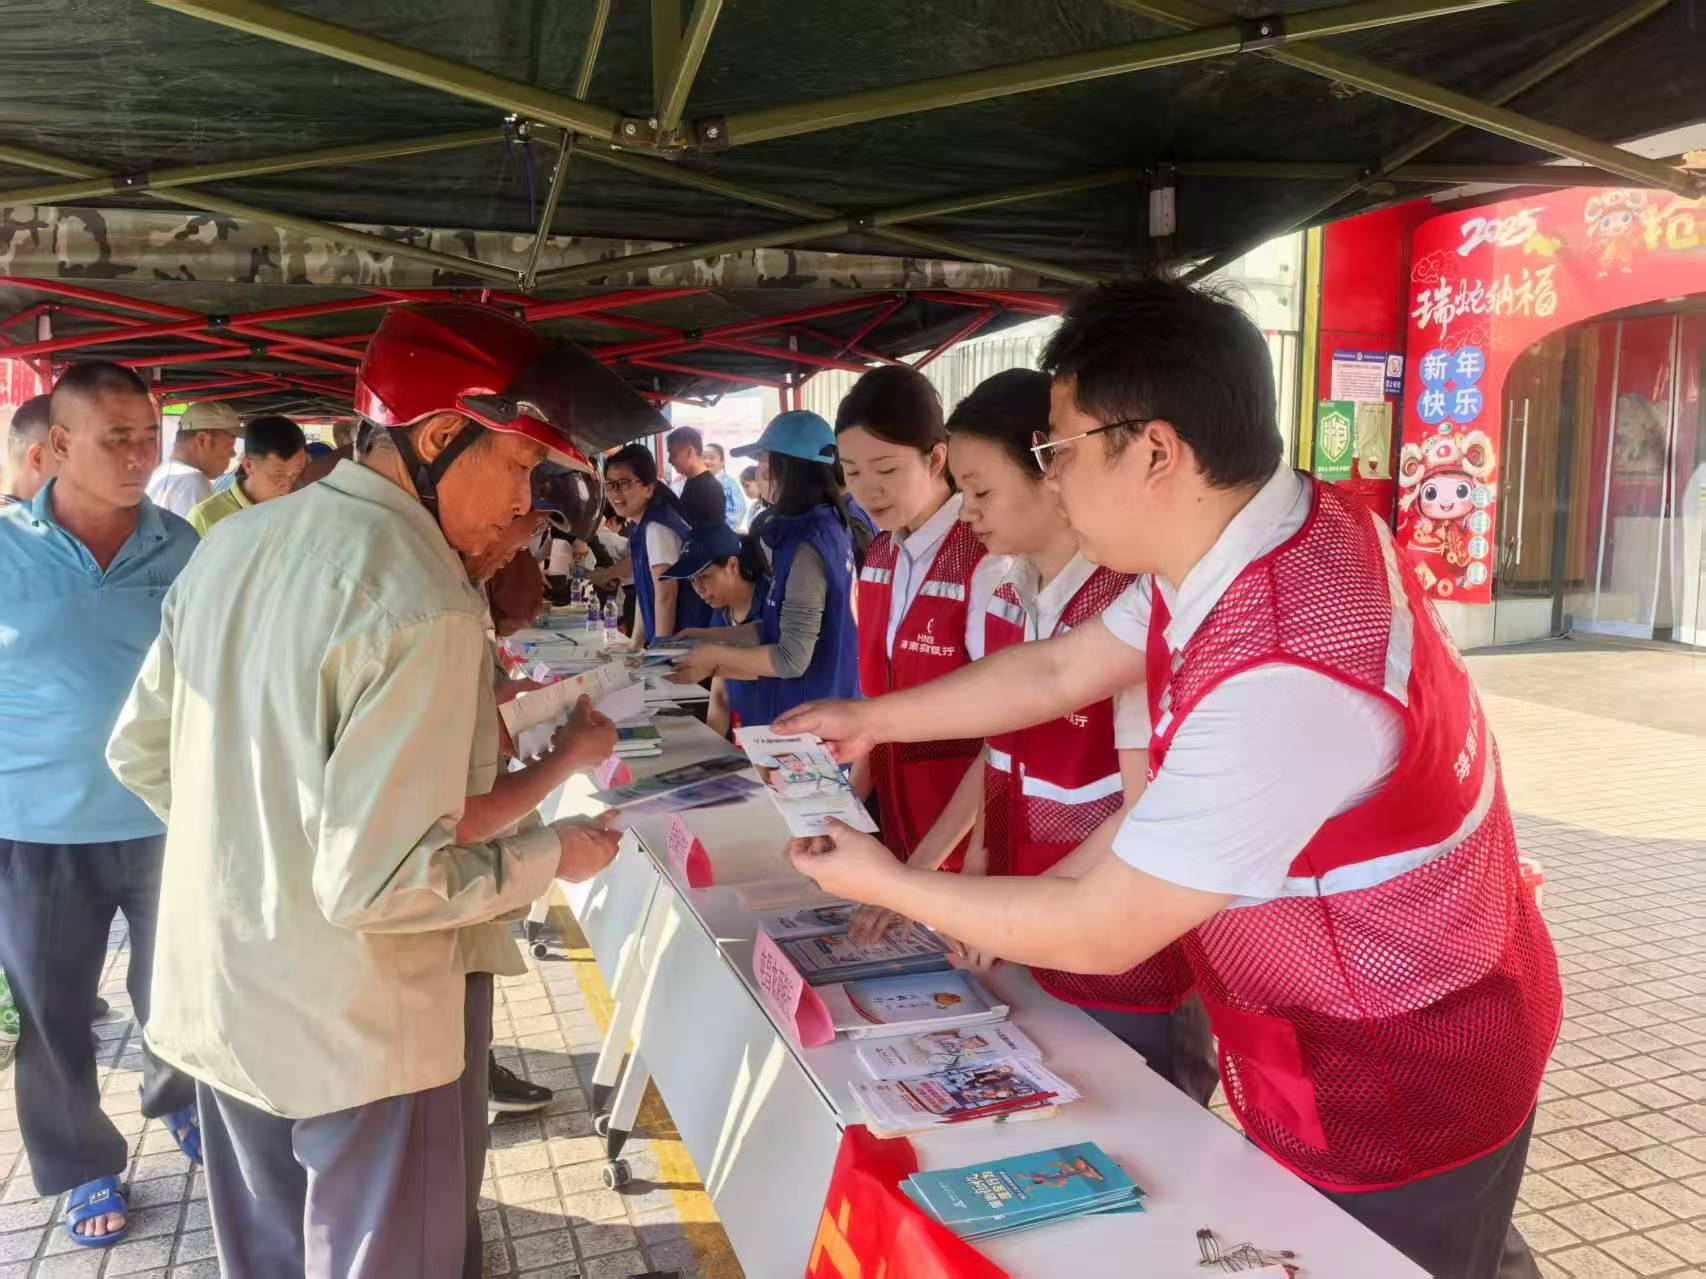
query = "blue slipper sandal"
x=96 y=1199
x=185 y=1126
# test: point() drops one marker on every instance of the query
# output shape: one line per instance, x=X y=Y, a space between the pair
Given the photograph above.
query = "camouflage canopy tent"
x=717 y=195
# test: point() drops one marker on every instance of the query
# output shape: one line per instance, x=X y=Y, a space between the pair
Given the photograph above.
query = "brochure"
x=709 y=781
x=911 y=1004
x=983 y=1091
x=556 y=702
x=836 y=957
x=981 y=1200
x=804 y=780
x=946 y=1049
x=808 y=921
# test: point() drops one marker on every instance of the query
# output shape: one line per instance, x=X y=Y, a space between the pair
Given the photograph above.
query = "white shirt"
x=1043 y=606
x=663 y=546
x=916 y=552
x=1266 y=756
x=178 y=487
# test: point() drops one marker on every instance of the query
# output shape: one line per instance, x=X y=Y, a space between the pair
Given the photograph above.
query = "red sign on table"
x=613 y=772
x=796 y=1005
x=688 y=855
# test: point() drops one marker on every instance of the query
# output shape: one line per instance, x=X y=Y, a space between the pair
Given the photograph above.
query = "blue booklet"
x=982 y=1200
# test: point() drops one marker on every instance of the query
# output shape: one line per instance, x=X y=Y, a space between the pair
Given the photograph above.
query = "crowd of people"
x=1133 y=703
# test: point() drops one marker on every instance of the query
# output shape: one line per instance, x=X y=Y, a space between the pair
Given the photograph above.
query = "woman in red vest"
x=921 y=593
x=1069 y=781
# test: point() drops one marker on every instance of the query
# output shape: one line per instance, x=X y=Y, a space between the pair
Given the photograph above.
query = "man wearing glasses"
x=1324 y=830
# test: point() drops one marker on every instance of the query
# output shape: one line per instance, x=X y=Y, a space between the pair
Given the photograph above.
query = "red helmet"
x=481 y=362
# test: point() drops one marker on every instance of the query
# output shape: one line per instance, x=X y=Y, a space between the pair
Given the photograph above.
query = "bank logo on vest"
x=926 y=643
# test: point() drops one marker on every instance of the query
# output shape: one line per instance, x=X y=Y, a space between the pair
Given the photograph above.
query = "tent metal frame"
x=577 y=127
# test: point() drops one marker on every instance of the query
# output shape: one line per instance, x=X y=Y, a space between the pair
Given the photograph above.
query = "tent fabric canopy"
x=123 y=87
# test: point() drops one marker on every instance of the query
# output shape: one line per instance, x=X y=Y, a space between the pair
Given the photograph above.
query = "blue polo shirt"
x=72 y=639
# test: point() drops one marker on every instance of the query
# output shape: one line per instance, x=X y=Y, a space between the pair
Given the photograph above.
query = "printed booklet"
x=836 y=957
x=808 y=921
x=989 y=1090
x=946 y=1050
x=708 y=781
x=804 y=780
x=911 y=1004
x=982 y=1200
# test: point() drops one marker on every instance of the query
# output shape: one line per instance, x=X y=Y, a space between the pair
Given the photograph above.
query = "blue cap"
x=798 y=433
x=706 y=545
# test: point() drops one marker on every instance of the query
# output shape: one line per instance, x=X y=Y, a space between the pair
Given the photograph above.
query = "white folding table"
x=762 y=1118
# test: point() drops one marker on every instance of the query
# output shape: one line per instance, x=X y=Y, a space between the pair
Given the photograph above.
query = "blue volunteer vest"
x=745 y=699
x=690 y=610
x=834 y=667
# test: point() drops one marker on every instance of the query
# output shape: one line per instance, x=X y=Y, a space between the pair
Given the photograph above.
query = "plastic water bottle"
x=610 y=619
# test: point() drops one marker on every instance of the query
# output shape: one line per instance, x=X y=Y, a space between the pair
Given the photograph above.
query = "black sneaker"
x=512 y=1094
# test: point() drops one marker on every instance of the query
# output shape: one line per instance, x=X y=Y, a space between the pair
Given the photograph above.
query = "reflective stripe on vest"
x=1037 y=788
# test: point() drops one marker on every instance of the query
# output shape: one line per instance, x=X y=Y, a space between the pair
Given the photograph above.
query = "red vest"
x=1389 y=1015
x=1069 y=783
x=915 y=781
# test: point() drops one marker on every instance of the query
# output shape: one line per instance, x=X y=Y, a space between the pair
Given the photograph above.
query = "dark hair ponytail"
x=753 y=564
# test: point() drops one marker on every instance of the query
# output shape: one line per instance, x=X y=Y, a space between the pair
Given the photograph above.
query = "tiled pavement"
x=1605 y=759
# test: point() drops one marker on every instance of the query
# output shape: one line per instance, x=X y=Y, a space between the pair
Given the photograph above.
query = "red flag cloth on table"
x=870 y=1230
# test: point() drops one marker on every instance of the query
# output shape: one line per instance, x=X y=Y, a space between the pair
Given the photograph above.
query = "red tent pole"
x=959 y=335
x=782 y=353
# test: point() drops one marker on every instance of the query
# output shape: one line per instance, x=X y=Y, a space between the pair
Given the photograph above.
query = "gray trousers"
x=1456 y=1224
x=57 y=903
x=388 y=1189
x=1178 y=1046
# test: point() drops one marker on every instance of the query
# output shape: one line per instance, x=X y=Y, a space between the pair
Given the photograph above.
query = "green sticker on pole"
x=1335 y=439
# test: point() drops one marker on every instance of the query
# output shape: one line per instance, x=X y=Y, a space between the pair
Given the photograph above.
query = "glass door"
x=1687 y=546
x=1631 y=482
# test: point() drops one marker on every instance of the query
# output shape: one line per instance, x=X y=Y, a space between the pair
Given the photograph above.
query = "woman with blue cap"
x=802 y=642
x=659 y=528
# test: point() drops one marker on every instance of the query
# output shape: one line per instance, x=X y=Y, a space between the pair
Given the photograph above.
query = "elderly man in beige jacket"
x=308 y=723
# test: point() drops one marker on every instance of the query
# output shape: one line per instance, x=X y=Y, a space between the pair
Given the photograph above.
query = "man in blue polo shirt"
x=83 y=568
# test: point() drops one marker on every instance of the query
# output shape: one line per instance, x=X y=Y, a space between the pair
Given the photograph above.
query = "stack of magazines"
x=835 y=957
x=981 y=1201
x=998 y=1089
x=945 y=1050
x=909 y=1005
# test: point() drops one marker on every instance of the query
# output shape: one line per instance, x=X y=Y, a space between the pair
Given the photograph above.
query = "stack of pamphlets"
x=638 y=739
x=997 y=1089
x=833 y=916
x=804 y=780
x=836 y=957
x=911 y=1005
x=946 y=1050
x=983 y=1200
x=797 y=894
x=696 y=785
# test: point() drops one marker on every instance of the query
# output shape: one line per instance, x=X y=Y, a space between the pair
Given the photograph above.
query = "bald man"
x=29 y=464
x=83 y=567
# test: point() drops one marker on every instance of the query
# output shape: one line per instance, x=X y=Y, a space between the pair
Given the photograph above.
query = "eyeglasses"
x=620 y=486
x=1043 y=448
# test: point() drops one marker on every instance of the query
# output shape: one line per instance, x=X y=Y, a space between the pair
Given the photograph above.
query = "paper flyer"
x=806 y=784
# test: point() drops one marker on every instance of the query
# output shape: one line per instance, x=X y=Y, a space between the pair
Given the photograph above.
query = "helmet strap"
x=425 y=476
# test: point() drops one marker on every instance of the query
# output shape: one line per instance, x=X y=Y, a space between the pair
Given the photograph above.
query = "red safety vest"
x=1389 y=1015
x=915 y=781
x=1069 y=783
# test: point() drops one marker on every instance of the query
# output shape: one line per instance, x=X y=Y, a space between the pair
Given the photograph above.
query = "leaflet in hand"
x=836 y=957
x=982 y=1200
x=804 y=780
x=946 y=1050
x=911 y=1004
x=554 y=703
x=708 y=781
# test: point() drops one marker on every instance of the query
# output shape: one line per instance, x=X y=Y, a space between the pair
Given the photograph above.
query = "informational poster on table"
x=1485 y=285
